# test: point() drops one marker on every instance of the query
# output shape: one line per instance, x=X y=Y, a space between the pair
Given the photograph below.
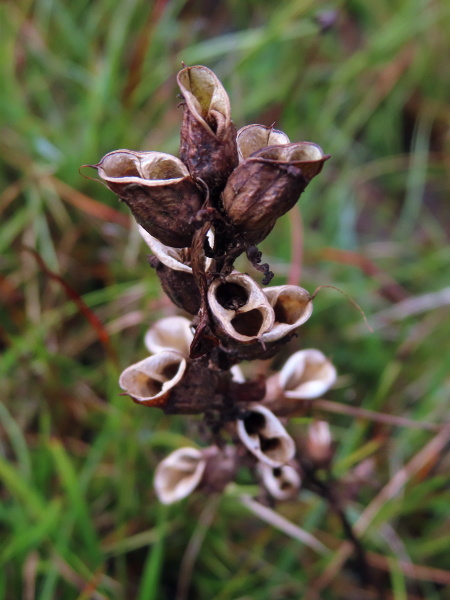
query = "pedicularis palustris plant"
x=199 y=213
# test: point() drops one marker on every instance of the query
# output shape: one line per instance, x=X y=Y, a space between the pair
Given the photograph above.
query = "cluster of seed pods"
x=198 y=214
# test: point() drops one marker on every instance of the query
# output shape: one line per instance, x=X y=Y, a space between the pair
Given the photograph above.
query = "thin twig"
x=408 y=308
x=272 y=518
x=194 y=545
x=363 y=413
x=433 y=448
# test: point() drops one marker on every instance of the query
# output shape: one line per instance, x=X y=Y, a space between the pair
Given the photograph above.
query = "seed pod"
x=179 y=286
x=159 y=191
x=208 y=136
x=264 y=436
x=240 y=308
x=307 y=374
x=175 y=273
x=252 y=138
x=281 y=482
x=319 y=444
x=179 y=474
x=170 y=333
x=292 y=306
x=151 y=380
x=268 y=184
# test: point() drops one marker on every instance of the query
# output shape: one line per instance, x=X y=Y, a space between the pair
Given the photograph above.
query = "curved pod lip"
x=149 y=381
x=263 y=435
x=307 y=374
x=240 y=307
x=203 y=93
x=169 y=256
x=177 y=259
x=143 y=168
x=252 y=138
x=281 y=482
x=179 y=474
x=292 y=307
x=169 y=333
x=307 y=156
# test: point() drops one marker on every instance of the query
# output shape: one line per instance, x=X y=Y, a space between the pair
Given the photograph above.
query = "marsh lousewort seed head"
x=198 y=214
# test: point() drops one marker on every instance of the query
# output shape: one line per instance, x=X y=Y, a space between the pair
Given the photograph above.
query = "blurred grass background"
x=370 y=83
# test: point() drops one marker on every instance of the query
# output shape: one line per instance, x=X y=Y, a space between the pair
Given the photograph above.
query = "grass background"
x=370 y=83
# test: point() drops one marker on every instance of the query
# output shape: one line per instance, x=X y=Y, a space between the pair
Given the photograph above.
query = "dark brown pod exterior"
x=180 y=286
x=268 y=184
x=157 y=187
x=208 y=136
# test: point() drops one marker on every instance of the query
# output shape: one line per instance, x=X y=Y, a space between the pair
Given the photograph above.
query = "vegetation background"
x=370 y=83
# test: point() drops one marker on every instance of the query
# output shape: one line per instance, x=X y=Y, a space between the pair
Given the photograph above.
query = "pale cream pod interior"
x=178 y=259
x=281 y=482
x=151 y=379
x=203 y=92
x=251 y=138
x=240 y=307
x=307 y=374
x=143 y=168
x=170 y=333
x=179 y=474
x=296 y=152
x=174 y=258
x=292 y=306
x=319 y=440
x=263 y=435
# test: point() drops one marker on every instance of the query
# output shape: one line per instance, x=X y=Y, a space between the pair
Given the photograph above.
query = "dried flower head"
x=198 y=214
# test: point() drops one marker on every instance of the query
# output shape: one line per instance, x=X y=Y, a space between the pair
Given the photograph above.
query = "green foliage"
x=78 y=515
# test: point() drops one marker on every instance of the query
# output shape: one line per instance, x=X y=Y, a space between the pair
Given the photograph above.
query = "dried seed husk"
x=152 y=380
x=267 y=185
x=292 y=306
x=179 y=285
x=319 y=444
x=263 y=435
x=157 y=187
x=307 y=374
x=169 y=333
x=240 y=309
x=179 y=474
x=281 y=482
x=208 y=136
x=252 y=138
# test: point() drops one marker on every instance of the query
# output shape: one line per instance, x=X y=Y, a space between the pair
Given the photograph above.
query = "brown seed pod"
x=281 y=482
x=240 y=309
x=208 y=136
x=292 y=306
x=268 y=184
x=152 y=380
x=157 y=187
x=263 y=435
x=179 y=474
x=180 y=286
